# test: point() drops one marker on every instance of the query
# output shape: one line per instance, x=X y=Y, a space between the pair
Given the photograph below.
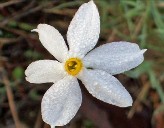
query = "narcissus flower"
x=94 y=68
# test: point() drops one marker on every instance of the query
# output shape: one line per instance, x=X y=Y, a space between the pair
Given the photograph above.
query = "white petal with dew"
x=52 y=40
x=61 y=102
x=44 y=71
x=105 y=87
x=115 y=57
x=84 y=30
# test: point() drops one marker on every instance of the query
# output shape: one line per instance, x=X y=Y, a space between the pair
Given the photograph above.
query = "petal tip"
x=129 y=102
x=144 y=50
x=34 y=30
x=92 y=3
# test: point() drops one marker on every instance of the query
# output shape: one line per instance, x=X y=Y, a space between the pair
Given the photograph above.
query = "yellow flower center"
x=73 y=66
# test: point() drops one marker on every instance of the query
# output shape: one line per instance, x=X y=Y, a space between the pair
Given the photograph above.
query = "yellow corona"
x=73 y=66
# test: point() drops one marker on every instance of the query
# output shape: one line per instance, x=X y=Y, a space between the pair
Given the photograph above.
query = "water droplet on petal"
x=95 y=83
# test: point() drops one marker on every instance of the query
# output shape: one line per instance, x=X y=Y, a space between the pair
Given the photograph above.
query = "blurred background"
x=138 y=21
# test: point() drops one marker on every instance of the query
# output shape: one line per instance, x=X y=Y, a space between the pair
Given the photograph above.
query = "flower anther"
x=73 y=66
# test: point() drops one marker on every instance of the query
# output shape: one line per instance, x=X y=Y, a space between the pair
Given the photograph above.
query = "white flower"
x=95 y=69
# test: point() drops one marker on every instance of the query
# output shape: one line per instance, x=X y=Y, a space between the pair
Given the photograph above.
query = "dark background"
x=138 y=21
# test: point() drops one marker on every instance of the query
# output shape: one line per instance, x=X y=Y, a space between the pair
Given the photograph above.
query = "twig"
x=112 y=36
x=9 y=40
x=138 y=27
x=3 y=58
x=2 y=5
x=65 y=12
x=140 y=98
x=17 y=32
x=11 y=102
x=160 y=4
x=23 y=14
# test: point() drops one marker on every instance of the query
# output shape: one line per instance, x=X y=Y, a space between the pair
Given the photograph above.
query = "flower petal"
x=53 y=41
x=44 y=71
x=61 y=102
x=105 y=87
x=84 y=30
x=115 y=58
